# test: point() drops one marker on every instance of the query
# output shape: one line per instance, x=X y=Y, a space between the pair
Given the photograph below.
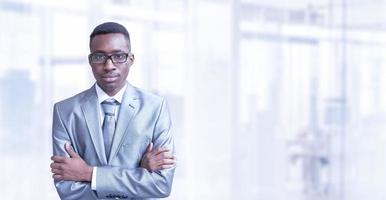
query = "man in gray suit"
x=103 y=137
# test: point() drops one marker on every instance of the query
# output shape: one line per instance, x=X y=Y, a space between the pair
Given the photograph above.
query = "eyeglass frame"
x=108 y=57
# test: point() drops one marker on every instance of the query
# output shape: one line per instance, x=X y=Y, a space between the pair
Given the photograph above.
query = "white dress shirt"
x=102 y=96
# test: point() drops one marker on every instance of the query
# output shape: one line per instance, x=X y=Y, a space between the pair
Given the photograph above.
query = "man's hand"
x=70 y=169
x=157 y=159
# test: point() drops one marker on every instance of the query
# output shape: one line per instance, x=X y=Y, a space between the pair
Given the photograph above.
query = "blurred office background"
x=271 y=99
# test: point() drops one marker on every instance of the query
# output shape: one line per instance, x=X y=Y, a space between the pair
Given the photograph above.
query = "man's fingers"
x=56 y=166
x=167 y=166
x=58 y=159
x=167 y=161
x=70 y=150
x=164 y=155
x=56 y=171
x=150 y=147
x=57 y=177
x=161 y=150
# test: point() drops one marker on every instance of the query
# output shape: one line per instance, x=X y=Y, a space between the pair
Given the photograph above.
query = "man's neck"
x=113 y=92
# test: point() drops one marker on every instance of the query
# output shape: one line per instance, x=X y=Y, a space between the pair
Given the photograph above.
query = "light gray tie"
x=108 y=126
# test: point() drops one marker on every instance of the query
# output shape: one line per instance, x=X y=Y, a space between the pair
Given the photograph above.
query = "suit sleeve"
x=140 y=183
x=67 y=190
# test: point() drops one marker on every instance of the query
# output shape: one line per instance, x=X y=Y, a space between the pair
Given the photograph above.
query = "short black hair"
x=111 y=27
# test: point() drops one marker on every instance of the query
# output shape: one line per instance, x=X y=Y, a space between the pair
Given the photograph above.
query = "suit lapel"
x=92 y=116
x=128 y=109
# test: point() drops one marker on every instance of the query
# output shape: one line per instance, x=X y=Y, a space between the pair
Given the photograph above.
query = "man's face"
x=109 y=76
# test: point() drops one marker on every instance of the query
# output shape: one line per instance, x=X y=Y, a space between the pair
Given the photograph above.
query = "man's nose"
x=109 y=65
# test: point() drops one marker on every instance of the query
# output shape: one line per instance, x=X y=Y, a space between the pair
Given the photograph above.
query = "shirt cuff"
x=93 y=179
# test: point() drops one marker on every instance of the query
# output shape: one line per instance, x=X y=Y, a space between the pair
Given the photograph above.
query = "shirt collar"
x=103 y=96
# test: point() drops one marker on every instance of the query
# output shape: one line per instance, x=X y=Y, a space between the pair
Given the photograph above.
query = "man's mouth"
x=110 y=78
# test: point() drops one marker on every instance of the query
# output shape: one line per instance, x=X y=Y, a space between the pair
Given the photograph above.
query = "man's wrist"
x=88 y=173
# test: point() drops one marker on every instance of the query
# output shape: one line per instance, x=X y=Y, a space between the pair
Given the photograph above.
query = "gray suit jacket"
x=143 y=117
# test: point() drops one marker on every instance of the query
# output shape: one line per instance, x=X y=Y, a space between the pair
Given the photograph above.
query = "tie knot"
x=109 y=106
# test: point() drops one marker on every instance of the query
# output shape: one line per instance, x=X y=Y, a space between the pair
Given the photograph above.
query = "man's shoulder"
x=148 y=96
x=75 y=99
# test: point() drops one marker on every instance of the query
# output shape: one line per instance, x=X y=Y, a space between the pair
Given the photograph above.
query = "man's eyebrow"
x=99 y=51
x=118 y=51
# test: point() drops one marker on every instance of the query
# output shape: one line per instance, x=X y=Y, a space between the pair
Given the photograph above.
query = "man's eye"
x=99 y=57
x=119 y=56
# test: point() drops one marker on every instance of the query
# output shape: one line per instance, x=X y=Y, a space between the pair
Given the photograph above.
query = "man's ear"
x=88 y=59
x=131 y=57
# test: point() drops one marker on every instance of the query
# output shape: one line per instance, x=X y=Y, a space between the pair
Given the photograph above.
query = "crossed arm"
x=152 y=179
x=74 y=168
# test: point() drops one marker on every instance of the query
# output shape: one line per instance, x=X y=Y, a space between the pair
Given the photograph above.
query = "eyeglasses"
x=101 y=58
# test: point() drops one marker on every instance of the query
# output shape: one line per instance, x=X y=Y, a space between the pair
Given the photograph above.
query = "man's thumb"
x=150 y=147
x=70 y=150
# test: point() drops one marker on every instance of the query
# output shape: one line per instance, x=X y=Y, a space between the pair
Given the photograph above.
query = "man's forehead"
x=116 y=41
